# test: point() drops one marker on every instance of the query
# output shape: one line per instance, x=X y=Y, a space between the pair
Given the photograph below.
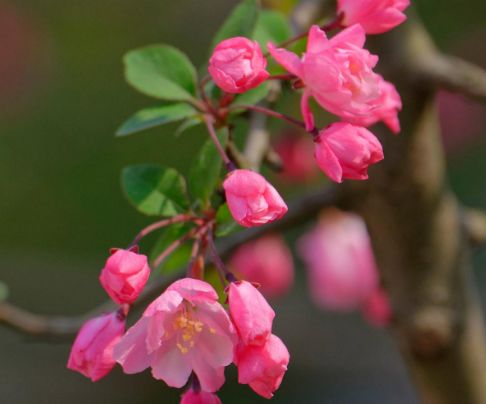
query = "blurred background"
x=62 y=96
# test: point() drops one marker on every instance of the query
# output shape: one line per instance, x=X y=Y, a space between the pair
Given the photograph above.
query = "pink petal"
x=171 y=366
x=307 y=111
x=131 y=352
x=289 y=60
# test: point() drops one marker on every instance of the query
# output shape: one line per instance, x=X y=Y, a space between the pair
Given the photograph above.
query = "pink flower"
x=346 y=151
x=296 y=153
x=251 y=199
x=92 y=351
x=267 y=261
x=250 y=312
x=376 y=16
x=237 y=65
x=262 y=367
x=184 y=330
x=341 y=267
x=125 y=275
x=376 y=309
x=199 y=397
x=337 y=72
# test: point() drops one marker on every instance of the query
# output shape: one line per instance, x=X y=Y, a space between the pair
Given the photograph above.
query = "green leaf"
x=225 y=223
x=188 y=123
x=252 y=97
x=151 y=117
x=3 y=292
x=205 y=171
x=271 y=26
x=161 y=71
x=180 y=257
x=155 y=190
x=241 y=22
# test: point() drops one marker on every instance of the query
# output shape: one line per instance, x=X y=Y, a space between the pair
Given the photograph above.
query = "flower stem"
x=230 y=166
x=225 y=275
x=274 y=114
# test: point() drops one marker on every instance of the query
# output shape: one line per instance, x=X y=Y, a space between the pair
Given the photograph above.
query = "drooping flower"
x=342 y=271
x=184 y=330
x=251 y=199
x=250 y=312
x=266 y=261
x=125 y=275
x=337 y=73
x=376 y=16
x=92 y=351
x=262 y=367
x=199 y=397
x=343 y=151
x=238 y=65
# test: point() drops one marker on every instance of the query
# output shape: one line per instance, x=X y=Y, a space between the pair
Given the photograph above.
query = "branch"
x=34 y=324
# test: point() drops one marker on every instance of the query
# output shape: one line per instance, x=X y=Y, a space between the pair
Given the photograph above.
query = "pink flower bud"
x=237 y=65
x=125 y=275
x=92 y=351
x=341 y=267
x=200 y=397
x=251 y=199
x=376 y=16
x=376 y=309
x=346 y=151
x=262 y=367
x=267 y=261
x=250 y=312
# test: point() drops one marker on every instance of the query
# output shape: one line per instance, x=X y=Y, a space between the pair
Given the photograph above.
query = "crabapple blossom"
x=199 y=397
x=92 y=351
x=343 y=151
x=341 y=267
x=266 y=261
x=376 y=16
x=262 y=367
x=251 y=199
x=337 y=73
x=250 y=312
x=184 y=330
x=238 y=65
x=125 y=275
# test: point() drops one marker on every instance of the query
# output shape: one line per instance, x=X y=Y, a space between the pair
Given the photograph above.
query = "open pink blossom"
x=342 y=271
x=266 y=261
x=376 y=309
x=251 y=199
x=262 y=367
x=376 y=16
x=238 y=65
x=344 y=151
x=184 y=330
x=199 y=397
x=250 y=312
x=92 y=351
x=125 y=275
x=337 y=72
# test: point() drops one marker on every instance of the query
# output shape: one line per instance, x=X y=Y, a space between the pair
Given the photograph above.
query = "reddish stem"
x=274 y=114
x=230 y=166
x=225 y=275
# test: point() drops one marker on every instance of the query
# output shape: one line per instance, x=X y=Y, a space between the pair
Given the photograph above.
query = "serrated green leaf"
x=161 y=71
x=225 y=223
x=155 y=190
x=251 y=97
x=204 y=174
x=241 y=22
x=151 y=117
x=271 y=26
x=3 y=292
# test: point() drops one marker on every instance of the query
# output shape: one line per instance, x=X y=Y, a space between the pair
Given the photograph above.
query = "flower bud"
x=375 y=16
x=343 y=151
x=250 y=312
x=92 y=351
x=125 y=275
x=251 y=199
x=262 y=367
x=237 y=65
x=199 y=397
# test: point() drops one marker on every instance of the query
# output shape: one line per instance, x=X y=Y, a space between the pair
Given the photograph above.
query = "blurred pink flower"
x=262 y=367
x=92 y=351
x=184 y=330
x=376 y=16
x=376 y=309
x=237 y=65
x=199 y=397
x=125 y=275
x=345 y=151
x=251 y=199
x=266 y=261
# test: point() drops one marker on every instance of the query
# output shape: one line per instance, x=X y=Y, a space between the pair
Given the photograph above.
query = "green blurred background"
x=62 y=96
